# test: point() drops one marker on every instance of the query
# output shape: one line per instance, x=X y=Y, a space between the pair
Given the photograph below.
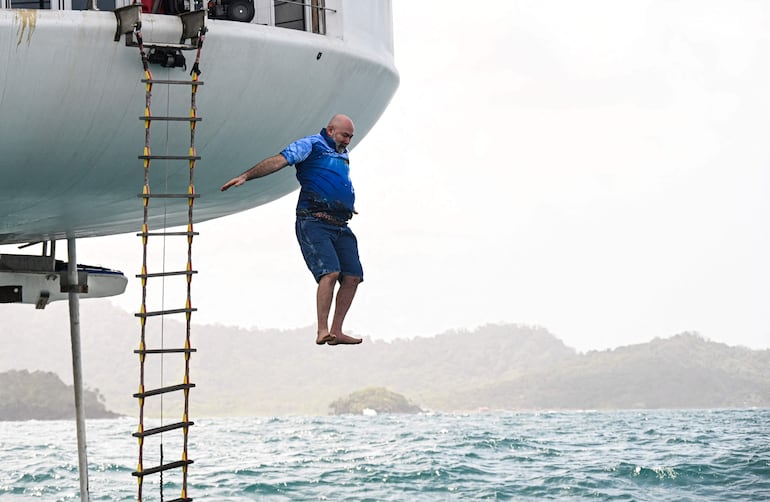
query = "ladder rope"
x=145 y=231
x=195 y=74
x=145 y=234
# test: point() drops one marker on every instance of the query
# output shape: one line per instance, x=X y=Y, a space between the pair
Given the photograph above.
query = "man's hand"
x=235 y=182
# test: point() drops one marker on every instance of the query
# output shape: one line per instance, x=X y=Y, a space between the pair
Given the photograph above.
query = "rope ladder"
x=152 y=353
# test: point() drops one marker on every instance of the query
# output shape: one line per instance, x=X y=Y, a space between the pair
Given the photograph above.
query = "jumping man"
x=326 y=203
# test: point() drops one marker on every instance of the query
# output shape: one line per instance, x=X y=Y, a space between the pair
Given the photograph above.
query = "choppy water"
x=653 y=455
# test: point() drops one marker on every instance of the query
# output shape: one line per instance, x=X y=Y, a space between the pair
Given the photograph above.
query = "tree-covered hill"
x=43 y=396
x=684 y=371
x=272 y=372
x=377 y=399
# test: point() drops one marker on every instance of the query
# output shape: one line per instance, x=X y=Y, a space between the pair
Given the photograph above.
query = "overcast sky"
x=600 y=169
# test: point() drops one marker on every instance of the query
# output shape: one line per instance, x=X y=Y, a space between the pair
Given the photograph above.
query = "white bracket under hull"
x=39 y=280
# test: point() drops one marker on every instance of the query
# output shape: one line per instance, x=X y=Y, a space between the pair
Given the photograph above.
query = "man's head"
x=340 y=130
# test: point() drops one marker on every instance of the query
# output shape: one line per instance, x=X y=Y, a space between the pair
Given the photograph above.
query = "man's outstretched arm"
x=263 y=168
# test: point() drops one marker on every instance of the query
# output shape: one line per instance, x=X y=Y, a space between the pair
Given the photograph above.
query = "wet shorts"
x=328 y=248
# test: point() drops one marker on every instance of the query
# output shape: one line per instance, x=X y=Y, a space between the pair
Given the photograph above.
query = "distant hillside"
x=286 y=373
x=684 y=371
x=43 y=396
x=272 y=372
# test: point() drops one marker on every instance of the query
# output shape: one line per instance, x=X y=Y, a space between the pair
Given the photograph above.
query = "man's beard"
x=340 y=147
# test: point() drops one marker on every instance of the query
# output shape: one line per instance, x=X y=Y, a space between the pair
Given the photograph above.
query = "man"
x=326 y=203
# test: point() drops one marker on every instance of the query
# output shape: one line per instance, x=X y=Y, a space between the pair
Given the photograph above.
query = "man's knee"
x=350 y=280
x=330 y=277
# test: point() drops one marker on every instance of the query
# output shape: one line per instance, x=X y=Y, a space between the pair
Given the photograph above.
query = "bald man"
x=326 y=203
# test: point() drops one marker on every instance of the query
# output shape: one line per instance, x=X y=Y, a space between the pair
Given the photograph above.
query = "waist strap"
x=328 y=218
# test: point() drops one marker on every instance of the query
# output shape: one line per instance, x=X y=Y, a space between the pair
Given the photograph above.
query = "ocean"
x=660 y=455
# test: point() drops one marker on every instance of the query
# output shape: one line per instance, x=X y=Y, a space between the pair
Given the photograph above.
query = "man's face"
x=341 y=134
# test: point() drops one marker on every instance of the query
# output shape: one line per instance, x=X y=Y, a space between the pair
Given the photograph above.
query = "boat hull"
x=71 y=98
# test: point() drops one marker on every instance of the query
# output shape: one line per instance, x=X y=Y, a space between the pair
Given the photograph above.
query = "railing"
x=31 y=4
x=302 y=15
x=59 y=4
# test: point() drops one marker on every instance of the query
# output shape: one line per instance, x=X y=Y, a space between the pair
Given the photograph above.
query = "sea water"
x=621 y=455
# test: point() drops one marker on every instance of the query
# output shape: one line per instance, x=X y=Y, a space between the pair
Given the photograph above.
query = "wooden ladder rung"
x=165 y=428
x=172 y=82
x=165 y=351
x=168 y=196
x=166 y=274
x=159 y=468
x=164 y=390
x=170 y=157
x=165 y=234
x=170 y=119
x=164 y=312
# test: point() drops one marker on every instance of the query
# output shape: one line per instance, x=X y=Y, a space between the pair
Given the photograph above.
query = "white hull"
x=71 y=97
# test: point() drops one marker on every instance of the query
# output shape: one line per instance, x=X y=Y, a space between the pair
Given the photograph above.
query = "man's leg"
x=345 y=297
x=324 y=296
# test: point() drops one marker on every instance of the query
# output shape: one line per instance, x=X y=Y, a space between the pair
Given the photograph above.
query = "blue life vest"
x=323 y=174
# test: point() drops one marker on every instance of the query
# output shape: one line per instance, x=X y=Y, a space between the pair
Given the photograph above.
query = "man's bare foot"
x=343 y=339
x=322 y=339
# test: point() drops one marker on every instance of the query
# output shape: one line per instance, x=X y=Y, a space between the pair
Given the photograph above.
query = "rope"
x=195 y=73
x=145 y=232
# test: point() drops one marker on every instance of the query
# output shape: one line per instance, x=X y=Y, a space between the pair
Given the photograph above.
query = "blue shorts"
x=328 y=248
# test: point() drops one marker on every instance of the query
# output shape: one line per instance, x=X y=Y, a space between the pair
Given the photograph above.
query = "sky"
x=600 y=169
